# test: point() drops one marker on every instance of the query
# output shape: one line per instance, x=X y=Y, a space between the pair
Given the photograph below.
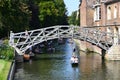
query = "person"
x=74 y=50
x=76 y=60
x=72 y=59
x=73 y=54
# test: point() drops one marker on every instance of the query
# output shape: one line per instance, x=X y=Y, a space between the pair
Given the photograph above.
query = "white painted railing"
x=24 y=40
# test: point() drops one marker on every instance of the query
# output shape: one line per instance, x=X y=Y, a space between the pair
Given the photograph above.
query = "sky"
x=71 y=5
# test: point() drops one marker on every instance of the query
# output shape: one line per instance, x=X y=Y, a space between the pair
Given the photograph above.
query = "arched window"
x=109 y=13
x=115 y=12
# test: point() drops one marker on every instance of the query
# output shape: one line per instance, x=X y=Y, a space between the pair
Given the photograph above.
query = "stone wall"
x=83 y=45
x=113 y=53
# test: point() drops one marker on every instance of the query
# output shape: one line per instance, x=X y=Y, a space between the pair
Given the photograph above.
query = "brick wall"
x=87 y=16
x=83 y=8
x=117 y=19
x=87 y=13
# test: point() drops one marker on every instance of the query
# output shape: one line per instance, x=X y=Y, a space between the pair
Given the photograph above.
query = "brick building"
x=86 y=12
x=101 y=14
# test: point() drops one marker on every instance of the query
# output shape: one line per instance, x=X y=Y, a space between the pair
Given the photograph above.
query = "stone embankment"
x=11 y=71
x=86 y=46
x=113 y=53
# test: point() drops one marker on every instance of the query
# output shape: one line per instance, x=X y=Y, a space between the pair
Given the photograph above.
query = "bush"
x=6 y=52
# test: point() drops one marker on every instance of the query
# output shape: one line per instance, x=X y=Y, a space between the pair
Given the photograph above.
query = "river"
x=57 y=66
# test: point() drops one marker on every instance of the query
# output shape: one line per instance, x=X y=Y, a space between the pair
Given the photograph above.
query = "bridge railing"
x=95 y=37
x=24 y=40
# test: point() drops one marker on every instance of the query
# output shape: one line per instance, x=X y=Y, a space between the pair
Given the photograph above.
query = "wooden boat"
x=26 y=56
x=74 y=58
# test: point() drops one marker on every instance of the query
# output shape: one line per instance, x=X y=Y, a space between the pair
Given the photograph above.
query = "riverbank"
x=6 y=57
x=87 y=47
x=4 y=69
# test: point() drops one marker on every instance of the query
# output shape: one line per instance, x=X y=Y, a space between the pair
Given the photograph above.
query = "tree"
x=74 y=18
x=14 y=15
x=18 y=15
x=52 y=13
x=34 y=21
x=62 y=18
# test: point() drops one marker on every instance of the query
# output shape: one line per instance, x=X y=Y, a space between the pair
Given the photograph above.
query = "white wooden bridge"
x=24 y=40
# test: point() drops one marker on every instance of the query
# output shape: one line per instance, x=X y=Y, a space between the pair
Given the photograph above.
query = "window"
x=115 y=12
x=103 y=0
x=97 y=13
x=109 y=13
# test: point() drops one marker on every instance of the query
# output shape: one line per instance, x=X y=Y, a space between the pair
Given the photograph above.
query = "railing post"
x=71 y=31
x=44 y=35
x=58 y=32
x=11 y=41
x=86 y=34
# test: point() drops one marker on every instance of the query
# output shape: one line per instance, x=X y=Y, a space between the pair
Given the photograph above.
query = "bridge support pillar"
x=113 y=53
x=18 y=58
x=103 y=53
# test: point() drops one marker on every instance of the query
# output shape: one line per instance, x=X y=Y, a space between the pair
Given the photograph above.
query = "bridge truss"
x=24 y=40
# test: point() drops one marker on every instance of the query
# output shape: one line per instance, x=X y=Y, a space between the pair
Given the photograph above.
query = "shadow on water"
x=51 y=58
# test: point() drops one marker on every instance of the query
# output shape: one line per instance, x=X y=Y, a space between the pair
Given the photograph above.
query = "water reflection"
x=57 y=66
x=93 y=68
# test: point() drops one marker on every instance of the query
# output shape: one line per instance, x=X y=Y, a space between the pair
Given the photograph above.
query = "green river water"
x=57 y=66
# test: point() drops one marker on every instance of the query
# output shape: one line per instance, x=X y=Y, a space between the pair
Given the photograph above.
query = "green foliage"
x=52 y=14
x=6 y=52
x=47 y=13
x=74 y=19
x=18 y=15
x=14 y=15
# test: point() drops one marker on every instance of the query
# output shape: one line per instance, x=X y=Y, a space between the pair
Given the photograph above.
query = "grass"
x=4 y=69
x=6 y=55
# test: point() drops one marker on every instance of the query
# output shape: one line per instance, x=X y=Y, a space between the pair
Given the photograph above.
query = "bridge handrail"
x=24 y=40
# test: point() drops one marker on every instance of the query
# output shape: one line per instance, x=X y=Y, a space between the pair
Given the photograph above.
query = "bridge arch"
x=24 y=40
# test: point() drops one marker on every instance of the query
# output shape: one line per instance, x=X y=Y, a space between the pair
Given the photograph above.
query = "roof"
x=111 y=1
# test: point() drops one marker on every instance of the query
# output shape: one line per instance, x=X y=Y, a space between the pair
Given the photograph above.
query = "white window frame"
x=115 y=12
x=97 y=13
x=109 y=14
